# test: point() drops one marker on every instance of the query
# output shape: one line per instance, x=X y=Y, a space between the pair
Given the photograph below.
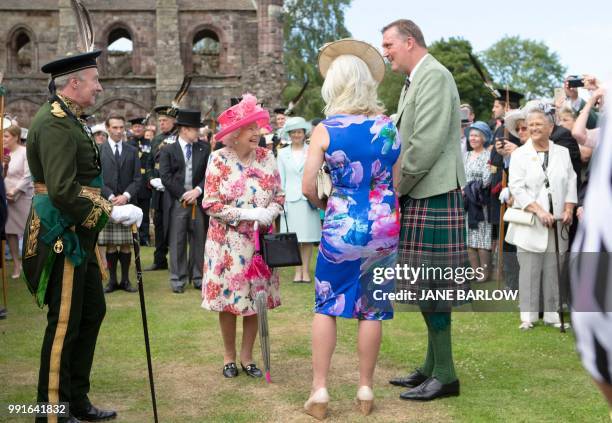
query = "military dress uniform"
x=143 y=199
x=160 y=260
x=59 y=256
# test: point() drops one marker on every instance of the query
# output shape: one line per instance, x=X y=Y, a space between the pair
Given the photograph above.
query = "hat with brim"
x=484 y=129
x=366 y=52
x=511 y=118
x=190 y=118
x=240 y=115
x=71 y=64
x=100 y=127
x=164 y=110
x=295 y=123
x=137 y=121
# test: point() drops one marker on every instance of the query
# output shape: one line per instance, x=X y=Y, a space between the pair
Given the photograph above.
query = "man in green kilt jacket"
x=59 y=255
x=432 y=224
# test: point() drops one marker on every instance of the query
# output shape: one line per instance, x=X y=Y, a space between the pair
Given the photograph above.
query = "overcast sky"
x=579 y=31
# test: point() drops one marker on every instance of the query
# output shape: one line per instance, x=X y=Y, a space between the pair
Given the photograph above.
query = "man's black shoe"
x=127 y=286
x=111 y=286
x=413 y=380
x=2 y=313
x=178 y=290
x=94 y=414
x=432 y=389
x=157 y=266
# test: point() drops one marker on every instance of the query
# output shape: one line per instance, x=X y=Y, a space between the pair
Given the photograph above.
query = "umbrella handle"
x=256 y=235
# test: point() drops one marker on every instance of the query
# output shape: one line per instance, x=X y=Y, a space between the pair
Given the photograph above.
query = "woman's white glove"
x=157 y=184
x=127 y=215
x=504 y=195
x=258 y=214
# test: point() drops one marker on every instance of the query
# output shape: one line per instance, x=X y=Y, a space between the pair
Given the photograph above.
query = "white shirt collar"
x=411 y=76
x=113 y=144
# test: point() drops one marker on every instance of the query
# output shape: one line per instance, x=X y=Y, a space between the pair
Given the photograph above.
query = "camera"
x=575 y=81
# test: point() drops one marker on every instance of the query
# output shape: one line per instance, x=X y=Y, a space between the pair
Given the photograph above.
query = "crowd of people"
x=431 y=185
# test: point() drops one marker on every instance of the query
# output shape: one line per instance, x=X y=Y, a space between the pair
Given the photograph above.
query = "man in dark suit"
x=143 y=199
x=182 y=170
x=121 y=174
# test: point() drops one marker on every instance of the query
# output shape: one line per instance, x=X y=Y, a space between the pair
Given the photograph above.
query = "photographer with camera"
x=574 y=101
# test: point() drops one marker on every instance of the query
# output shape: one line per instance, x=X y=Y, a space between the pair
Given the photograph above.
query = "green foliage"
x=390 y=89
x=308 y=25
x=454 y=55
x=525 y=65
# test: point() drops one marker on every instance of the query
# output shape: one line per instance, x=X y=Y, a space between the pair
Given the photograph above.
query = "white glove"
x=258 y=214
x=127 y=215
x=504 y=195
x=157 y=184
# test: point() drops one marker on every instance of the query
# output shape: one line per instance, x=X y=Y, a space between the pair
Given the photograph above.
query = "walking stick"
x=558 y=269
x=143 y=313
x=3 y=243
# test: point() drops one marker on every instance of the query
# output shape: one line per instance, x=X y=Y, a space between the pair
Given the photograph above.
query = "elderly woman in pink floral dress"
x=242 y=192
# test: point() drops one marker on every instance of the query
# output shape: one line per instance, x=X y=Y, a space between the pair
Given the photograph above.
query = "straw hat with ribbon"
x=349 y=46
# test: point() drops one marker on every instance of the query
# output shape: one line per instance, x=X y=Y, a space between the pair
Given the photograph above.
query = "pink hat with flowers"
x=240 y=115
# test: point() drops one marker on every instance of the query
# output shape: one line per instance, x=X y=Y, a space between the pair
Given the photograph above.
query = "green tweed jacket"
x=429 y=124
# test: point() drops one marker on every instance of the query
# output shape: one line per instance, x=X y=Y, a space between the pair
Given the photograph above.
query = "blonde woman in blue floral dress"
x=361 y=228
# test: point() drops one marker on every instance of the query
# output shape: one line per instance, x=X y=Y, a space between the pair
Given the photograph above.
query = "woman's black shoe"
x=252 y=370
x=230 y=370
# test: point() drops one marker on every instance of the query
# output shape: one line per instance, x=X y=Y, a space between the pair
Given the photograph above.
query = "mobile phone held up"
x=575 y=81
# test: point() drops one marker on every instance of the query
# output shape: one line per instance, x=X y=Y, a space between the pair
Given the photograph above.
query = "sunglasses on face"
x=521 y=128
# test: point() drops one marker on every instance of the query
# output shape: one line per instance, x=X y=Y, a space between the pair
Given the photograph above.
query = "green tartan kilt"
x=433 y=235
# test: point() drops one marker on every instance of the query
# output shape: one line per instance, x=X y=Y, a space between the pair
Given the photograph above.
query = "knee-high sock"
x=111 y=260
x=125 y=259
x=428 y=365
x=440 y=335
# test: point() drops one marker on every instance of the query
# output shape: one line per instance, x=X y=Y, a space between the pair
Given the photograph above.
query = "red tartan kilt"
x=433 y=235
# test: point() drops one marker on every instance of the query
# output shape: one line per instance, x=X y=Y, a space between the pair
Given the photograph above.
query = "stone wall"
x=162 y=32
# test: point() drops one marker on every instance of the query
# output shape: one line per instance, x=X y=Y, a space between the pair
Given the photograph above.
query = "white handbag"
x=520 y=217
x=324 y=183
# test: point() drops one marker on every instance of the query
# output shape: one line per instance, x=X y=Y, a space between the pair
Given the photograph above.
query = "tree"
x=390 y=89
x=454 y=54
x=525 y=65
x=308 y=25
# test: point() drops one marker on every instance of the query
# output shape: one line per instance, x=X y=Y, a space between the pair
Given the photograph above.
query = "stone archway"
x=118 y=106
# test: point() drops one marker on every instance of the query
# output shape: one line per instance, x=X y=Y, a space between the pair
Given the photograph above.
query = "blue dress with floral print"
x=360 y=232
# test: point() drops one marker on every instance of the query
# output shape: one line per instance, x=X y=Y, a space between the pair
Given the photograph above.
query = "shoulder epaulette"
x=56 y=110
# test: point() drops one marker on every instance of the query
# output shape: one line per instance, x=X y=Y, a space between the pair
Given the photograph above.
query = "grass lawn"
x=506 y=374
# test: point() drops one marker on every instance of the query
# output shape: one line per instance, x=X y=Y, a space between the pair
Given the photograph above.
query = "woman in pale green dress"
x=302 y=218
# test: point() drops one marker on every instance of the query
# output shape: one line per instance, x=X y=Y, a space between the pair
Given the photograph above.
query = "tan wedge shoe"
x=365 y=400
x=316 y=406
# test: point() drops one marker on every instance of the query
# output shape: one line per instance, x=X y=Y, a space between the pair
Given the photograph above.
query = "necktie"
x=188 y=151
x=117 y=152
x=407 y=83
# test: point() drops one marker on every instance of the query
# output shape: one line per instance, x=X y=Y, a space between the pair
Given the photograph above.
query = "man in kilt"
x=432 y=233
x=122 y=179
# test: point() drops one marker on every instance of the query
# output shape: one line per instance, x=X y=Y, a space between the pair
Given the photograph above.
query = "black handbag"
x=280 y=249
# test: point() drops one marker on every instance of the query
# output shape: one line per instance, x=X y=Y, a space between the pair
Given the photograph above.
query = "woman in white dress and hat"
x=302 y=217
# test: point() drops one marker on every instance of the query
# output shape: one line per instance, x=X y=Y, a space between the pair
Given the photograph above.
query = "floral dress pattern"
x=477 y=168
x=228 y=284
x=362 y=221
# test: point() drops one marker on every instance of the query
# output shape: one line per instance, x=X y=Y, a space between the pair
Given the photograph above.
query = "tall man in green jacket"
x=59 y=256
x=432 y=222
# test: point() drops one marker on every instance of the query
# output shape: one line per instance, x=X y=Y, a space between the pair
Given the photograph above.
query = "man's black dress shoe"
x=252 y=370
x=94 y=414
x=230 y=370
x=432 y=389
x=157 y=266
x=413 y=380
x=110 y=287
x=2 y=313
x=178 y=290
x=127 y=286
